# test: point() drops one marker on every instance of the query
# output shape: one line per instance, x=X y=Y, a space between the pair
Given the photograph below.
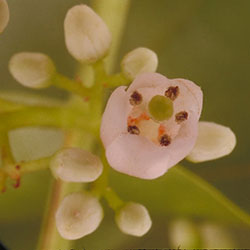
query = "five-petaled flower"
x=152 y=125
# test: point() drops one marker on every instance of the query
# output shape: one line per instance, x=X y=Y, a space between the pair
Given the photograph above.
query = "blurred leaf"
x=29 y=98
x=29 y=200
x=180 y=193
x=26 y=202
x=32 y=143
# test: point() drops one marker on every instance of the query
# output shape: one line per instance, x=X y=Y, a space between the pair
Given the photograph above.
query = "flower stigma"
x=160 y=108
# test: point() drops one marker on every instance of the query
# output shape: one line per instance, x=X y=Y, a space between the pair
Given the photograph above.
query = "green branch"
x=67 y=84
x=61 y=117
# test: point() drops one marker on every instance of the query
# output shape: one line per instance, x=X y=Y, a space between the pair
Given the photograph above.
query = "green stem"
x=36 y=165
x=7 y=106
x=114 y=13
x=113 y=199
x=117 y=80
x=49 y=236
x=74 y=87
x=6 y=153
x=100 y=187
x=61 y=117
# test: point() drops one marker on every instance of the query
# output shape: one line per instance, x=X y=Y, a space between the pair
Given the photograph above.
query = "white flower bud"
x=215 y=236
x=214 y=141
x=32 y=70
x=138 y=61
x=78 y=215
x=4 y=15
x=87 y=37
x=183 y=233
x=133 y=219
x=76 y=165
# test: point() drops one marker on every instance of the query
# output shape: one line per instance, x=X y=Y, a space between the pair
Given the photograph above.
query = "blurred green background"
x=206 y=41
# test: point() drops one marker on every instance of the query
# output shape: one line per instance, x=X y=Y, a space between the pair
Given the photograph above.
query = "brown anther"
x=165 y=140
x=133 y=130
x=181 y=116
x=135 y=98
x=18 y=167
x=172 y=92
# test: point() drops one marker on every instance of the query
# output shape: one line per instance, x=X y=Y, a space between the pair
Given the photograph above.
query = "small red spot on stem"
x=17 y=184
x=86 y=99
x=78 y=79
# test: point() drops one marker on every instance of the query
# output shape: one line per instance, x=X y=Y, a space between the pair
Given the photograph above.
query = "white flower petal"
x=4 y=15
x=76 y=165
x=147 y=80
x=32 y=70
x=87 y=37
x=137 y=156
x=138 y=61
x=78 y=215
x=133 y=219
x=214 y=141
x=114 y=119
x=195 y=90
x=190 y=95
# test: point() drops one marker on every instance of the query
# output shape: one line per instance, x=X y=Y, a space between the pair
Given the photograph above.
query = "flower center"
x=155 y=119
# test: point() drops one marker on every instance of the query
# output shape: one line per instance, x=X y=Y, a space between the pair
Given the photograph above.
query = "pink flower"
x=152 y=125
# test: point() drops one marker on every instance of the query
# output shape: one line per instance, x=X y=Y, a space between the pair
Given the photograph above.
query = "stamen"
x=161 y=130
x=172 y=92
x=181 y=116
x=135 y=98
x=136 y=120
x=165 y=140
x=133 y=130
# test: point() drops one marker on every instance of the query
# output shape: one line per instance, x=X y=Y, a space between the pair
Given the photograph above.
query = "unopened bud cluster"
x=80 y=213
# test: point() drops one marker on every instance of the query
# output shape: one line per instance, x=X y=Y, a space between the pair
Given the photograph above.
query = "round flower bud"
x=137 y=61
x=76 y=165
x=4 y=15
x=183 y=233
x=87 y=37
x=32 y=70
x=133 y=219
x=215 y=236
x=214 y=141
x=78 y=215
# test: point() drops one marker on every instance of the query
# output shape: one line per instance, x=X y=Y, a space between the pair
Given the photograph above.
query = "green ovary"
x=160 y=108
